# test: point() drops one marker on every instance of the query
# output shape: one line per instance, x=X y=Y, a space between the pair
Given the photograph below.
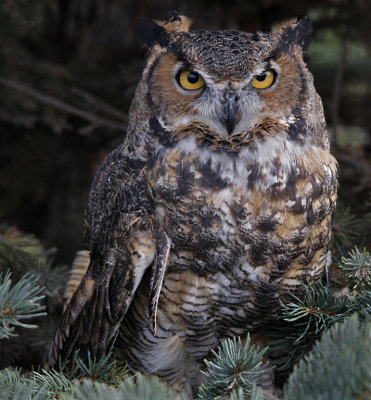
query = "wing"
x=124 y=240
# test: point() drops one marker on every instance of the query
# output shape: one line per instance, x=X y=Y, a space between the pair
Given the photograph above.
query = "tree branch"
x=46 y=99
x=99 y=104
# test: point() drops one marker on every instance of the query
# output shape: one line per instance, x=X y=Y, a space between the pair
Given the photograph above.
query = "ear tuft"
x=303 y=32
x=294 y=33
x=174 y=21
x=149 y=33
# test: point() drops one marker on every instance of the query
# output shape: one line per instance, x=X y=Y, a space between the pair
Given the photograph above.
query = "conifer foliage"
x=235 y=371
x=338 y=367
x=52 y=107
x=328 y=329
x=19 y=303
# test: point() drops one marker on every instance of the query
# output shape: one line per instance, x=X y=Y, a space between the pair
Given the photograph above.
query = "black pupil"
x=261 y=77
x=192 y=77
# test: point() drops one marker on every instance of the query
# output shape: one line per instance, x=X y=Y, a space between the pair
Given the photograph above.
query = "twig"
x=46 y=99
x=47 y=252
x=18 y=119
x=87 y=129
x=99 y=104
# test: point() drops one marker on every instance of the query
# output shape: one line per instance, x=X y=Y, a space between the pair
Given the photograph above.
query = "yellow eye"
x=190 y=80
x=264 y=80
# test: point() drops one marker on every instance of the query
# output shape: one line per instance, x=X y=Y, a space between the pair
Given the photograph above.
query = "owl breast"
x=246 y=230
x=254 y=227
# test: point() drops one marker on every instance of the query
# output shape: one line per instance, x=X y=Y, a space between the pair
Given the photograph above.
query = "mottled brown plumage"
x=216 y=206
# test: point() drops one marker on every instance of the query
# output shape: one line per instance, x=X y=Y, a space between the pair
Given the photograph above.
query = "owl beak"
x=230 y=111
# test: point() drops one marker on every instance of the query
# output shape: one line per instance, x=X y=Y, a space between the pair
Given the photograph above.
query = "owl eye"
x=190 y=80
x=264 y=80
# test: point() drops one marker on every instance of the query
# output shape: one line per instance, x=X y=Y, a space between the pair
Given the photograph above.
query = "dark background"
x=68 y=71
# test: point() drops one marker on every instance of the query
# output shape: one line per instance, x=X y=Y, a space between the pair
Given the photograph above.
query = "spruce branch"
x=19 y=254
x=14 y=386
x=89 y=390
x=19 y=303
x=26 y=243
x=320 y=307
x=256 y=394
x=357 y=268
x=303 y=320
x=235 y=366
x=25 y=253
x=51 y=382
x=10 y=377
x=144 y=387
x=138 y=387
x=361 y=303
x=102 y=370
x=24 y=391
x=338 y=367
x=237 y=395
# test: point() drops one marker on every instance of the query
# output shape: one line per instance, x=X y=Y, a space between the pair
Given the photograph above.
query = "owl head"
x=227 y=86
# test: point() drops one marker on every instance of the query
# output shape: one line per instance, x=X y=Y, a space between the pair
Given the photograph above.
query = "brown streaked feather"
x=79 y=267
x=93 y=316
x=158 y=270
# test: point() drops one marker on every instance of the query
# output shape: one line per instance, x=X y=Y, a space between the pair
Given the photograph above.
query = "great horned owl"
x=214 y=208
